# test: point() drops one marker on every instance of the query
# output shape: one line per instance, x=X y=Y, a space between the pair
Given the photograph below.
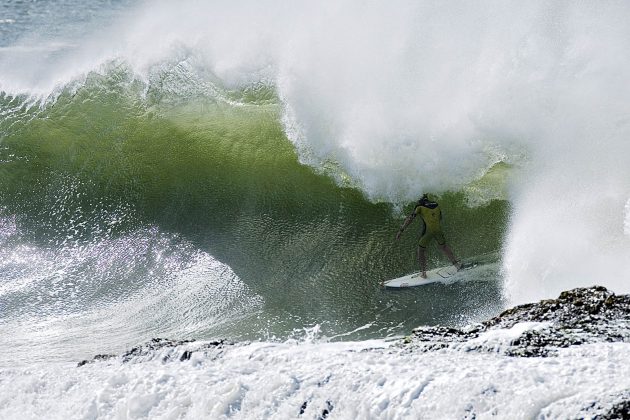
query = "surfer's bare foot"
x=423 y=275
x=458 y=265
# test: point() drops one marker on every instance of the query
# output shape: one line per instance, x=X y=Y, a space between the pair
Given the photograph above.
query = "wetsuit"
x=431 y=215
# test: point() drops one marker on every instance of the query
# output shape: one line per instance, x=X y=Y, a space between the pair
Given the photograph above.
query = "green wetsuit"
x=431 y=215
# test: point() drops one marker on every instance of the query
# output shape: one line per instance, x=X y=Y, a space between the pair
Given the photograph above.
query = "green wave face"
x=112 y=157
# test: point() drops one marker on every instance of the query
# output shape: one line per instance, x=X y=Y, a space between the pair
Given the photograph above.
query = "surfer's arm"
x=408 y=220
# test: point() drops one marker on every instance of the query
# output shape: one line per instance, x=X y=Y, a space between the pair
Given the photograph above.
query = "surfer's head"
x=423 y=199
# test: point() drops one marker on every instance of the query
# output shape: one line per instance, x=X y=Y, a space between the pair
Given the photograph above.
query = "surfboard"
x=437 y=275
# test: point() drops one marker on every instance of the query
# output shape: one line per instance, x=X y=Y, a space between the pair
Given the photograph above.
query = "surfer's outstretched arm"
x=408 y=220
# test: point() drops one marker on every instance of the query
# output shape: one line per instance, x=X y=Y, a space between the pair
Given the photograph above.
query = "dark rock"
x=303 y=407
x=607 y=407
x=151 y=347
x=165 y=349
x=578 y=316
x=96 y=358
x=621 y=410
x=326 y=411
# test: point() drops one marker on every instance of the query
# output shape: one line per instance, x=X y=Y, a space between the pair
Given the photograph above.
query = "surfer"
x=431 y=214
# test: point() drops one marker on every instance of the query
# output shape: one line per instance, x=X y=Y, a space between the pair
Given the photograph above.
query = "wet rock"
x=303 y=407
x=578 y=316
x=96 y=358
x=164 y=349
x=619 y=410
x=151 y=348
x=615 y=405
x=185 y=355
x=326 y=411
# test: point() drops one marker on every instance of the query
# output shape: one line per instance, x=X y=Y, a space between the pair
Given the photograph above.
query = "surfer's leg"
x=424 y=241
x=449 y=254
x=422 y=259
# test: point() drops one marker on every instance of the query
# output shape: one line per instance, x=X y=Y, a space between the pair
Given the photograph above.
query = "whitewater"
x=235 y=173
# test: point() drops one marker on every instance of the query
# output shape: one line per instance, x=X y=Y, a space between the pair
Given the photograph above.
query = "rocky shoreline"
x=578 y=316
x=536 y=330
x=164 y=349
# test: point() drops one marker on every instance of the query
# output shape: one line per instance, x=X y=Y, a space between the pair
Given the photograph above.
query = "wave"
x=88 y=176
x=289 y=152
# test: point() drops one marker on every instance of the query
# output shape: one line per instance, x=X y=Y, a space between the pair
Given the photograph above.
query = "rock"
x=165 y=349
x=96 y=358
x=578 y=316
x=611 y=406
x=150 y=348
x=326 y=411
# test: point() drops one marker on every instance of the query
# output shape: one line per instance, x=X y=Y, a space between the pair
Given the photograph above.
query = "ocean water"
x=238 y=170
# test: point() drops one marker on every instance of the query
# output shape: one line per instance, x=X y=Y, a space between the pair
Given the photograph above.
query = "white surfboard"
x=437 y=275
